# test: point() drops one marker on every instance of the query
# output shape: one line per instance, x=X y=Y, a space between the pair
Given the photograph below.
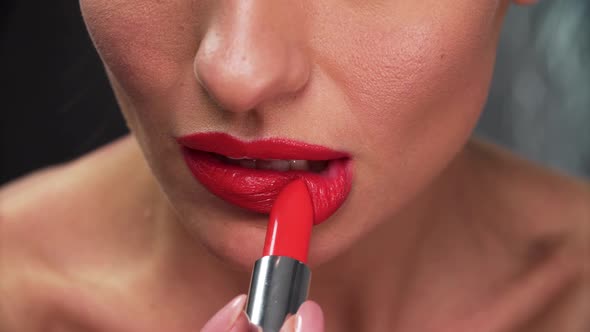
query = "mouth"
x=251 y=174
x=314 y=166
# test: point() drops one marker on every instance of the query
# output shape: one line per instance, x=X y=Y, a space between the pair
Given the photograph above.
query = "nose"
x=253 y=52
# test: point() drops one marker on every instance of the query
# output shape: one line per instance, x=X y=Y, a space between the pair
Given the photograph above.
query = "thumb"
x=309 y=318
x=230 y=318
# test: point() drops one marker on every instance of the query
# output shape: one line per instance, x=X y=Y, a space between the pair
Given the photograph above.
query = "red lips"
x=257 y=189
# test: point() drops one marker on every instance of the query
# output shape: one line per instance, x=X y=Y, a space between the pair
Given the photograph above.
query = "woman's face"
x=397 y=85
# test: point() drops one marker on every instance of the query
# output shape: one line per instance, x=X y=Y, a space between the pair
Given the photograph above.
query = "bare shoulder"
x=45 y=206
x=551 y=199
x=53 y=229
x=550 y=211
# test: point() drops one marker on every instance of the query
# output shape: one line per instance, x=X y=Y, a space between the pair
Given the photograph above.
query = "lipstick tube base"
x=278 y=287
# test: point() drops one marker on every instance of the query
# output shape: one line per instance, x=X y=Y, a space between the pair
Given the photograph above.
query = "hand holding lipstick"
x=233 y=318
x=280 y=280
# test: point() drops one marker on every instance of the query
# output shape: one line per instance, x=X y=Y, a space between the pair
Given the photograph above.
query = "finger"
x=227 y=317
x=242 y=324
x=309 y=318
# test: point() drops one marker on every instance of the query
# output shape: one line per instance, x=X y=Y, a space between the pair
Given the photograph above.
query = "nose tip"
x=243 y=62
x=239 y=80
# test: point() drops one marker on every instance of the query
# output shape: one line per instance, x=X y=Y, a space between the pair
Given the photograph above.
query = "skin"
x=446 y=233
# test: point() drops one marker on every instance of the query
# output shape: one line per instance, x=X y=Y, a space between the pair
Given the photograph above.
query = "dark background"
x=57 y=103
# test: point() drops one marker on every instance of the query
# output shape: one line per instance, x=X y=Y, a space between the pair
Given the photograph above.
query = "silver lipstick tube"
x=278 y=287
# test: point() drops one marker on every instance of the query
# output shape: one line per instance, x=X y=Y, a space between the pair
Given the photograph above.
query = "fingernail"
x=290 y=324
x=225 y=318
x=308 y=318
x=234 y=308
x=298 y=323
x=242 y=323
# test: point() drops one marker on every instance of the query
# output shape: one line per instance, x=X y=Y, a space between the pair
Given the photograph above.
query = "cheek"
x=417 y=83
x=145 y=45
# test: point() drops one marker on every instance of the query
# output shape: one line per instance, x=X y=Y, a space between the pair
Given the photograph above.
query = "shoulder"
x=534 y=193
x=567 y=305
x=47 y=206
x=547 y=215
x=53 y=229
x=537 y=204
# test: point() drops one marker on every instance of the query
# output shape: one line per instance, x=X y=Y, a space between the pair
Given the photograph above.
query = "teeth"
x=317 y=165
x=299 y=165
x=247 y=163
x=275 y=165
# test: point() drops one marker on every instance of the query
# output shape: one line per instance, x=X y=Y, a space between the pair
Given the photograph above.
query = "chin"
x=235 y=237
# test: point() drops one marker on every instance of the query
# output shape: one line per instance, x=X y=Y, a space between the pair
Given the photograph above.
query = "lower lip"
x=256 y=189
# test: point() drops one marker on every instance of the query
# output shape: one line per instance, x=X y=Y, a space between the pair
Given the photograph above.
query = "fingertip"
x=227 y=316
x=242 y=324
x=309 y=317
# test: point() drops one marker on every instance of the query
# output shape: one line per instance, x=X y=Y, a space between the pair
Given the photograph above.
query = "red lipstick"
x=290 y=223
x=280 y=279
x=255 y=189
x=270 y=148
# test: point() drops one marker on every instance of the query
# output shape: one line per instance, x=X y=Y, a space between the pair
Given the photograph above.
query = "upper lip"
x=268 y=148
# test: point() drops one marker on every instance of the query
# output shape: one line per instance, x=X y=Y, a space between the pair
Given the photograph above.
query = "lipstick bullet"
x=280 y=279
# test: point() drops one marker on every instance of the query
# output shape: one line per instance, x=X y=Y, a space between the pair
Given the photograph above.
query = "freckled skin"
x=398 y=84
x=440 y=232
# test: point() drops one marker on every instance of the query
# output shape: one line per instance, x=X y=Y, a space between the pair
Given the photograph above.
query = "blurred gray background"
x=539 y=103
x=57 y=103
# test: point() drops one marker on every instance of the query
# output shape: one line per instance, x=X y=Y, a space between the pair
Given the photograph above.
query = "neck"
x=433 y=249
